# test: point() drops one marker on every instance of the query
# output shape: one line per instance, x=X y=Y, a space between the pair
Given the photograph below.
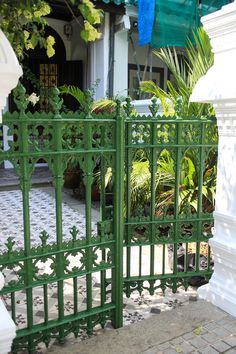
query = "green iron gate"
x=167 y=161
x=169 y=196
x=55 y=138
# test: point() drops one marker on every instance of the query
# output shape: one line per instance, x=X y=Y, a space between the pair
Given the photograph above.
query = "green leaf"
x=26 y=35
x=89 y=33
x=104 y=103
x=151 y=87
x=73 y=91
x=178 y=350
x=90 y=13
x=34 y=39
x=50 y=41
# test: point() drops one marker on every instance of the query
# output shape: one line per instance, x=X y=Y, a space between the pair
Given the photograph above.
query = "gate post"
x=218 y=86
x=10 y=71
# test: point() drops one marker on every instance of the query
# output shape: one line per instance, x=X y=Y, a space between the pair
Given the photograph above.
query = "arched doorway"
x=42 y=72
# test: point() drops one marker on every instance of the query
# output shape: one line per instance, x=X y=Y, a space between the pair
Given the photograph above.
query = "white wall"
x=141 y=54
x=79 y=50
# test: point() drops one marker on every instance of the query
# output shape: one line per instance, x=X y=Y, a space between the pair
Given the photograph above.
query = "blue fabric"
x=146 y=13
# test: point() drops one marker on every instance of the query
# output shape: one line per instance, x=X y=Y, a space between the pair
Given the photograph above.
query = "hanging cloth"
x=146 y=10
x=207 y=6
x=174 y=22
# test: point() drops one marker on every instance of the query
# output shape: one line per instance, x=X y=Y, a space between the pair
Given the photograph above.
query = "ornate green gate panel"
x=97 y=144
x=156 y=179
x=169 y=197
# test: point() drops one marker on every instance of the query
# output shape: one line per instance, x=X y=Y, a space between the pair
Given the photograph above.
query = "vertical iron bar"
x=140 y=261
x=88 y=206
x=25 y=187
x=103 y=214
x=128 y=161
x=153 y=197
x=163 y=258
x=199 y=201
x=13 y=306
x=186 y=258
x=176 y=196
x=45 y=303
x=58 y=182
x=117 y=278
x=75 y=291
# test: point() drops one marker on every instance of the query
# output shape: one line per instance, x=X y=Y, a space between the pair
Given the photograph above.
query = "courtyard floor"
x=198 y=327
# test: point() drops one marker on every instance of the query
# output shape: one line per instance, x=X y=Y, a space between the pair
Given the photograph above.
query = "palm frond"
x=166 y=103
x=176 y=65
x=75 y=92
x=200 y=56
x=104 y=103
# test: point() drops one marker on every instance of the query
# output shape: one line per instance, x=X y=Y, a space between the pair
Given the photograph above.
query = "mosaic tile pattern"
x=42 y=215
x=136 y=308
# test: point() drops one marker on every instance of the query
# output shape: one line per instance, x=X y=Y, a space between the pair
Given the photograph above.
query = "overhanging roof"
x=61 y=11
x=119 y=2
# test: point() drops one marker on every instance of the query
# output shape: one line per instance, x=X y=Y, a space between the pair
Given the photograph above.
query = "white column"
x=10 y=71
x=99 y=61
x=218 y=86
x=121 y=52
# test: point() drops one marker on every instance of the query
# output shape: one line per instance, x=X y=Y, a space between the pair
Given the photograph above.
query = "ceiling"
x=61 y=11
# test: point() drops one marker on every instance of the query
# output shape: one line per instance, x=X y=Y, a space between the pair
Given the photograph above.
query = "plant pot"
x=197 y=280
x=72 y=179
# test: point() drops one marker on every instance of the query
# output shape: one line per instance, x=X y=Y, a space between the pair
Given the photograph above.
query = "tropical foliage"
x=165 y=176
x=87 y=102
x=176 y=102
x=186 y=71
x=24 y=22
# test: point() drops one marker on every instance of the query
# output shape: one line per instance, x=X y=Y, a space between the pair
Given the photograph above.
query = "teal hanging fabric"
x=209 y=6
x=145 y=20
x=174 y=22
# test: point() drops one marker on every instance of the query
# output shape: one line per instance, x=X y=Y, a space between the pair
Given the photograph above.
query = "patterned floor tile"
x=42 y=215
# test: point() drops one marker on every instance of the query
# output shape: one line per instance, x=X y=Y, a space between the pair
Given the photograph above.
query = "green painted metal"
x=134 y=224
x=180 y=225
x=91 y=140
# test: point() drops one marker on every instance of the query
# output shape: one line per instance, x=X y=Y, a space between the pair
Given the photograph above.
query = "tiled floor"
x=42 y=216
